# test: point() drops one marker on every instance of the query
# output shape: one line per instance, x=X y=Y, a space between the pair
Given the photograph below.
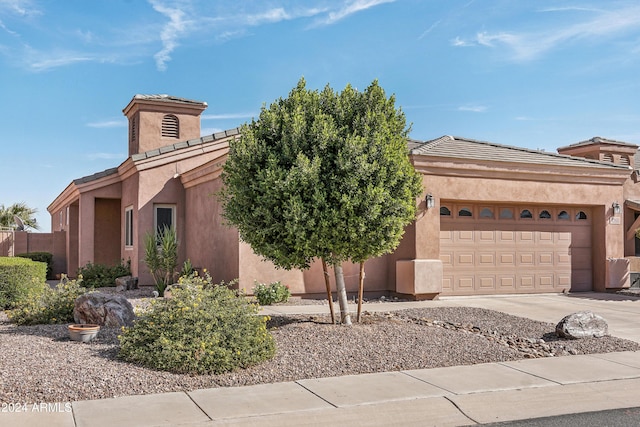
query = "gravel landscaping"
x=40 y=363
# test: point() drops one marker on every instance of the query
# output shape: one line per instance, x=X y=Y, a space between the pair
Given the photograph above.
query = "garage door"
x=514 y=249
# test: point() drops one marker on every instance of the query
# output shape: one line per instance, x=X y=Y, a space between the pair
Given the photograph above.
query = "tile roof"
x=598 y=140
x=159 y=151
x=95 y=176
x=464 y=148
x=168 y=98
x=185 y=144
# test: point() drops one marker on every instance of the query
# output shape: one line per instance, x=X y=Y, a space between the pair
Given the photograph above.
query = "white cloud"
x=59 y=61
x=473 y=108
x=350 y=8
x=428 y=30
x=170 y=33
x=458 y=42
x=528 y=46
x=19 y=7
x=108 y=124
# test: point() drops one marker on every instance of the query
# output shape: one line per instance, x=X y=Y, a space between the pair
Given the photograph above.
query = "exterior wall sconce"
x=616 y=208
x=430 y=201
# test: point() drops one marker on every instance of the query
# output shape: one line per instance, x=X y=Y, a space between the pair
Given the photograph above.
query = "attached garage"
x=501 y=249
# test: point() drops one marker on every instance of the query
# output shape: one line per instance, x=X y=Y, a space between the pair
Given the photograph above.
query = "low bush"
x=51 y=306
x=20 y=279
x=199 y=330
x=46 y=257
x=272 y=293
x=101 y=275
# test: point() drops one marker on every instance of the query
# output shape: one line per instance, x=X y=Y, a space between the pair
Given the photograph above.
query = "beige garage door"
x=514 y=249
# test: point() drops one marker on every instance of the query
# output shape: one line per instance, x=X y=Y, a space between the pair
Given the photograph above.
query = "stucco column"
x=421 y=274
x=86 y=225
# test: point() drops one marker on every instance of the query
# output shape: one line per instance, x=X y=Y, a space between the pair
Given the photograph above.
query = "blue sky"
x=536 y=74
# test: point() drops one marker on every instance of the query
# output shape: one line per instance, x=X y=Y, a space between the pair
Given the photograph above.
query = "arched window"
x=545 y=215
x=581 y=215
x=486 y=213
x=563 y=215
x=506 y=213
x=170 y=126
x=465 y=212
x=526 y=214
x=607 y=158
x=444 y=211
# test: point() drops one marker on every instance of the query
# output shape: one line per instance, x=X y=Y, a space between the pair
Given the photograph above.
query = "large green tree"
x=322 y=175
x=20 y=210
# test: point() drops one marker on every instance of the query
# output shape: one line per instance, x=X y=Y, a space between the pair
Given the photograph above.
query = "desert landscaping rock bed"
x=40 y=363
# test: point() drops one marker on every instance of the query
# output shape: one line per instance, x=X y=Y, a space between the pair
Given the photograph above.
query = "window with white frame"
x=164 y=216
x=128 y=227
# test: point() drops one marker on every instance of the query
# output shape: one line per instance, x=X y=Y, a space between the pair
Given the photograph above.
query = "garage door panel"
x=506 y=237
x=525 y=281
x=487 y=259
x=486 y=282
x=506 y=283
x=446 y=258
x=506 y=259
x=465 y=236
x=545 y=258
x=525 y=237
x=525 y=258
x=464 y=284
x=464 y=259
x=513 y=255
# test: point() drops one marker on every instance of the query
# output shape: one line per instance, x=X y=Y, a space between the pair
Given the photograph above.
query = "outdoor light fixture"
x=430 y=201
x=616 y=208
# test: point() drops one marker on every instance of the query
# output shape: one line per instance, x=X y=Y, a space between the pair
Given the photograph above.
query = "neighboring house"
x=492 y=219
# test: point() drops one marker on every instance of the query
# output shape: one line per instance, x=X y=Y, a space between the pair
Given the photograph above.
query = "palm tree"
x=20 y=210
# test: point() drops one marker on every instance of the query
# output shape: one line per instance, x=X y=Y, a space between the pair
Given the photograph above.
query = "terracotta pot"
x=83 y=333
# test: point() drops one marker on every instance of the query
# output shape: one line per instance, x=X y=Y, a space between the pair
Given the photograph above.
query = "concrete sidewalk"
x=453 y=396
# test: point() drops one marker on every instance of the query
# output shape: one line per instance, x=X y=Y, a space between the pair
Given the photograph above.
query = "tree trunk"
x=328 y=284
x=360 y=290
x=341 y=290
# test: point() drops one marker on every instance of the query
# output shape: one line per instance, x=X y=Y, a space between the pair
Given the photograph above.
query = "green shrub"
x=161 y=257
x=199 y=330
x=271 y=294
x=51 y=306
x=100 y=275
x=46 y=257
x=20 y=278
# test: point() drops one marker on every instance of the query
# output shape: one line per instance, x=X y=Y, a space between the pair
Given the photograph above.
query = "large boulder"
x=583 y=324
x=103 y=309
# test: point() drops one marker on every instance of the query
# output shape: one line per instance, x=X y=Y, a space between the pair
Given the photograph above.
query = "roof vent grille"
x=170 y=126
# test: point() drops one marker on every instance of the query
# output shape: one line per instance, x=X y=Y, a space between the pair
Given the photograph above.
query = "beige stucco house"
x=492 y=219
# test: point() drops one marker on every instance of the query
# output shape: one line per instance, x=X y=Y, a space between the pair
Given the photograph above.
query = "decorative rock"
x=583 y=324
x=103 y=309
x=126 y=283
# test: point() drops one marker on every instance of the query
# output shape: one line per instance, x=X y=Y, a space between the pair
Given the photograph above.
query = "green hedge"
x=45 y=257
x=20 y=278
x=101 y=275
